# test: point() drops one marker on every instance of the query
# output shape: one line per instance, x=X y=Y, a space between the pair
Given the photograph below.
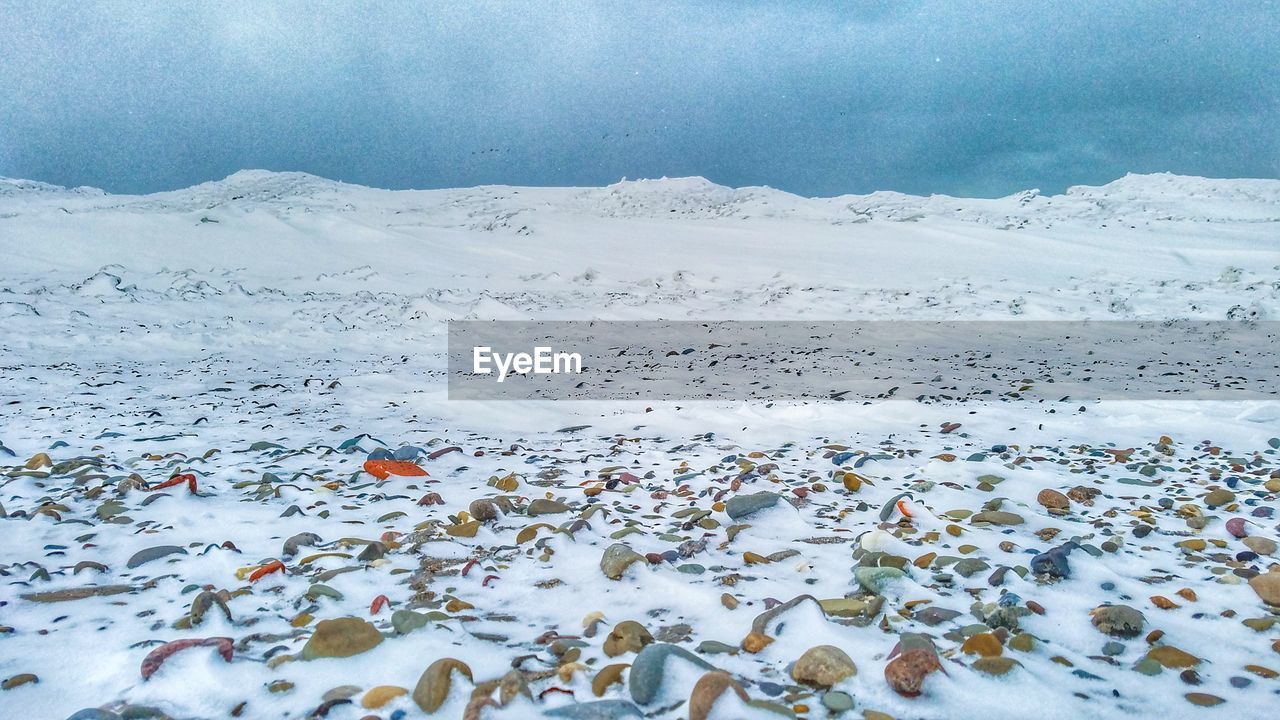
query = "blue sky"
x=964 y=98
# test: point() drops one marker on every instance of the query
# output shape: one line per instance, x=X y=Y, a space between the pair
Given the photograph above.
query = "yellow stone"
x=984 y=644
x=381 y=695
x=467 y=529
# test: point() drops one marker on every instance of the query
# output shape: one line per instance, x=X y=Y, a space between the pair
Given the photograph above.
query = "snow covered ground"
x=267 y=332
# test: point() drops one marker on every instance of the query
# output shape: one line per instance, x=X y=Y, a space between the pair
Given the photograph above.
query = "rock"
x=1267 y=586
x=203 y=603
x=627 y=636
x=301 y=540
x=1118 y=620
x=708 y=689
x=1260 y=545
x=984 y=644
x=1053 y=500
x=740 y=506
x=1203 y=699
x=906 y=673
x=378 y=696
x=997 y=517
x=1238 y=527
x=968 y=567
x=543 y=506
x=598 y=710
x=18 y=680
x=852 y=607
x=143 y=557
x=406 y=621
x=79 y=593
x=756 y=641
x=995 y=665
x=1022 y=642
x=877 y=579
x=1053 y=562
x=823 y=666
x=1218 y=498
x=837 y=702
x=483 y=510
x=647 y=671
x=434 y=684
x=1171 y=657
x=933 y=616
x=341 y=637
x=617 y=558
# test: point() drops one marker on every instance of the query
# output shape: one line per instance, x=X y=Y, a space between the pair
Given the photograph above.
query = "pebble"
x=436 y=681
x=627 y=636
x=997 y=517
x=380 y=695
x=617 y=558
x=648 y=669
x=1260 y=545
x=142 y=557
x=1118 y=620
x=18 y=680
x=823 y=666
x=596 y=710
x=1267 y=586
x=340 y=638
x=1053 y=500
x=1218 y=498
x=907 y=672
x=877 y=579
x=742 y=506
x=837 y=702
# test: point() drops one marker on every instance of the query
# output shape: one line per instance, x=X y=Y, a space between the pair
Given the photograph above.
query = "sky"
x=947 y=96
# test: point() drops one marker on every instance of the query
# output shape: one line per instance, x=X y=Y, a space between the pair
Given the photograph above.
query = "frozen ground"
x=248 y=331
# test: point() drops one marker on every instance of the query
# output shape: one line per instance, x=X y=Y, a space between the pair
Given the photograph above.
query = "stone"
x=741 y=506
x=597 y=710
x=617 y=558
x=995 y=665
x=19 y=680
x=823 y=666
x=1238 y=527
x=406 y=621
x=378 y=696
x=341 y=637
x=984 y=644
x=1218 y=498
x=933 y=616
x=1260 y=545
x=1267 y=586
x=708 y=689
x=1203 y=699
x=436 y=681
x=143 y=557
x=852 y=607
x=1053 y=500
x=1118 y=620
x=997 y=517
x=627 y=636
x=907 y=672
x=543 y=506
x=877 y=579
x=1171 y=657
x=837 y=702
x=483 y=510
x=647 y=670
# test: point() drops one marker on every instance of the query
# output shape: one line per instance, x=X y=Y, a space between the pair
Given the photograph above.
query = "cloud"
x=818 y=98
